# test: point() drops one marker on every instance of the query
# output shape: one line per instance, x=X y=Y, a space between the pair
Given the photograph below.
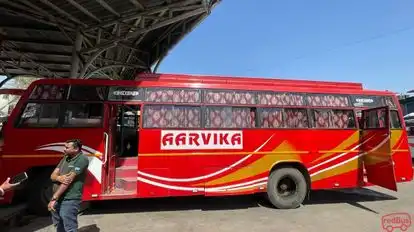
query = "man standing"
x=69 y=178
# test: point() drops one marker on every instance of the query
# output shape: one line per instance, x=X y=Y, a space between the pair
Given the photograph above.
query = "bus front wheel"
x=41 y=191
x=286 y=188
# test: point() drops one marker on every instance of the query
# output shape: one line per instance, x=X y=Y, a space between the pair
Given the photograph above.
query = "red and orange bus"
x=165 y=135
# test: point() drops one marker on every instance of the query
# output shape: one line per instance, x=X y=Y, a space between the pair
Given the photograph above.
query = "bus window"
x=382 y=120
x=8 y=100
x=335 y=119
x=48 y=92
x=168 y=116
x=87 y=93
x=358 y=114
x=83 y=115
x=171 y=95
x=229 y=117
x=296 y=118
x=389 y=102
x=320 y=118
x=229 y=97
x=343 y=119
x=39 y=115
x=271 y=118
x=395 y=120
x=374 y=119
x=127 y=134
x=328 y=100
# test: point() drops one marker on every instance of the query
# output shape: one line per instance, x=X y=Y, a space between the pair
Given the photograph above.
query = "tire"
x=297 y=188
x=41 y=191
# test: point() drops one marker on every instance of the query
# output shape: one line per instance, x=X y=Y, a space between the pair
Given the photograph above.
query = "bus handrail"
x=106 y=147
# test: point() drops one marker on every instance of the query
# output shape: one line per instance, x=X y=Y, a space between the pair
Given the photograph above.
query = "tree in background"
x=8 y=101
x=20 y=82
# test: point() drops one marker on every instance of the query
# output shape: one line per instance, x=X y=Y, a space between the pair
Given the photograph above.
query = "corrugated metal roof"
x=120 y=37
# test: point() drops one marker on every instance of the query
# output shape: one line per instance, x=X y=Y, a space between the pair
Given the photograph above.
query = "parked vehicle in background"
x=411 y=143
x=409 y=123
x=167 y=135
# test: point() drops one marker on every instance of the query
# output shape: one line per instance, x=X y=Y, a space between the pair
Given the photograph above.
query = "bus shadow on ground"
x=351 y=197
x=320 y=197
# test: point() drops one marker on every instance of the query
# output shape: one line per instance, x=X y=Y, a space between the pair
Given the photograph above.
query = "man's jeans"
x=65 y=218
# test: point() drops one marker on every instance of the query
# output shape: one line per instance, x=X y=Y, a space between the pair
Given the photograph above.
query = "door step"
x=118 y=193
x=128 y=184
x=127 y=162
x=126 y=172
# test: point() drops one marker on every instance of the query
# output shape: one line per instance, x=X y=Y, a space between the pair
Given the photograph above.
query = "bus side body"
x=330 y=158
x=195 y=159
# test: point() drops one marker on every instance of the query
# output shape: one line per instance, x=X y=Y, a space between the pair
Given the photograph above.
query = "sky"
x=369 y=41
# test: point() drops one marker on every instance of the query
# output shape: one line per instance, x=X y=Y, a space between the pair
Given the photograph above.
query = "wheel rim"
x=286 y=187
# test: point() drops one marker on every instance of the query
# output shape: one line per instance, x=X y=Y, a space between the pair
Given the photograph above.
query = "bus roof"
x=207 y=79
x=226 y=82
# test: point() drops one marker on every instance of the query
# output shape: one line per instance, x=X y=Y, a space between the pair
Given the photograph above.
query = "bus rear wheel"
x=286 y=188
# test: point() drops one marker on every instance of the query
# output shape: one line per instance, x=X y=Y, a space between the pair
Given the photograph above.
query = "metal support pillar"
x=75 y=55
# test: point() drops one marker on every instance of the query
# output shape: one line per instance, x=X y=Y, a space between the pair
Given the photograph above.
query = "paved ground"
x=330 y=211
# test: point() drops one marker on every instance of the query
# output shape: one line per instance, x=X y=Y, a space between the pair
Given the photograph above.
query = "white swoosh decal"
x=205 y=176
x=339 y=156
x=197 y=189
x=95 y=164
x=353 y=158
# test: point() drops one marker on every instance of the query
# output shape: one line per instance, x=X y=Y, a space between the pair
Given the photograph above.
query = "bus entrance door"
x=123 y=159
x=376 y=147
x=109 y=160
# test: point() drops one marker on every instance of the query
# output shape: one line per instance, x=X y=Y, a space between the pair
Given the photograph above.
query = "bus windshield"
x=8 y=100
